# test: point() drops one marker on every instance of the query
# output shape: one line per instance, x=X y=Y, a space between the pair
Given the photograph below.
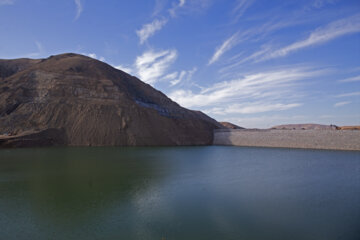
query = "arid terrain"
x=306 y=126
x=230 y=125
x=73 y=100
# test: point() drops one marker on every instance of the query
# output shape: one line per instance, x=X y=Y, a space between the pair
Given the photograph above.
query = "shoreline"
x=345 y=140
x=341 y=140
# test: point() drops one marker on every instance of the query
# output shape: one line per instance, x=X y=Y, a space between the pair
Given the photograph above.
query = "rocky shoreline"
x=306 y=139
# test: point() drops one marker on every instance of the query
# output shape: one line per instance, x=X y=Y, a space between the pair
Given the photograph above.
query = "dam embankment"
x=310 y=139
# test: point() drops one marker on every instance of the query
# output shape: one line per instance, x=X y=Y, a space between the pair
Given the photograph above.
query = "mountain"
x=231 y=125
x=74 y=100
x=306 y=126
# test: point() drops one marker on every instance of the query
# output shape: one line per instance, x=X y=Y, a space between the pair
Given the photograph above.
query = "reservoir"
x=214 y=192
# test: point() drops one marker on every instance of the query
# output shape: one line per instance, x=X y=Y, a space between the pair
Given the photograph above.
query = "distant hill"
x=230 y=125
x=70 y=99
x=349 y=128
x=306 y=126
x=11 y=67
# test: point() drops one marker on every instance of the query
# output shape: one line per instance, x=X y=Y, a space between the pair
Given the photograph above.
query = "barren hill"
x=306 y=126
x=231 y=125
x=70 y=99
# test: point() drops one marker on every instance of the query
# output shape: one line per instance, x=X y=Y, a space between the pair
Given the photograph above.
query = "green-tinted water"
x=179 y=193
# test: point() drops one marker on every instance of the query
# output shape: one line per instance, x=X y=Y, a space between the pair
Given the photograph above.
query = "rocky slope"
x=74 y=100
x=230 y=125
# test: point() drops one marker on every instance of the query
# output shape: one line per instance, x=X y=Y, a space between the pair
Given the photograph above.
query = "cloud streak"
x=241 y=7
x=148 y=30
x=333 y=30
x=352 y=94
x=340 y=104
x=93 y=55
x=226 y=46
x=351 y=79
x=152 y=65
x=79 y=8
x=257 y=92
x=176 y=7
x=252 y=34
x=40 y=51
x=322 y=3
x=124 y=68
x=183 y=76
x=159 y=6
x=322 y=35
x=249 y=108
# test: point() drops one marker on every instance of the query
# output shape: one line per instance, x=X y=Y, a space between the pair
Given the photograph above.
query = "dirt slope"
x=74 y=100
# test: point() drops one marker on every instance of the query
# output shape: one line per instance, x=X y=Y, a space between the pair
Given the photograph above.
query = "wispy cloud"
x=152 y=65
x=6 y=2
x=241 y=7
x=149 y=29
x=333 y=30
x=253 y=34
x=183 y=76
x=156 y=25
x=159 y=7
x=226 y=46
x=321 y=35
x=245 y=59
x=93 y=55
x=79 y=8
x=170 y=76
x=257 y=92
x=322 y=3
x=352 y=94
x=179 y=79
x=340 y=104
x=351 y=79
x=249 y=107
x=127 y=69
x=40 y=51
x=182 y=3
x=176 y=7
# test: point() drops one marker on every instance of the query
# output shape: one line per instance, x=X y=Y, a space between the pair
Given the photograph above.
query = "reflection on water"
x=179 y=193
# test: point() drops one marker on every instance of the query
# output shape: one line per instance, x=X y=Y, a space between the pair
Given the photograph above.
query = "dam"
x=306 y=139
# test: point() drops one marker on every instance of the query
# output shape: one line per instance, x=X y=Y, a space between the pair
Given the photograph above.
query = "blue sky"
x=256 y=63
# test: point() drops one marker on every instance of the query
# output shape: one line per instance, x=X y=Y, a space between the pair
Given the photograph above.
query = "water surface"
x=179 y=193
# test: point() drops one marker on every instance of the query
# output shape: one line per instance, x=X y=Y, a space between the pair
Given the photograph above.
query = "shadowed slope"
x=90 y=103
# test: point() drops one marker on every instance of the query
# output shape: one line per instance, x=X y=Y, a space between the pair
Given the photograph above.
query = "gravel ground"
x=312 y=139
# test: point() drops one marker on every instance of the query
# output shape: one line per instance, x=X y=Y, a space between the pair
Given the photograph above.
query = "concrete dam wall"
x=311 y=139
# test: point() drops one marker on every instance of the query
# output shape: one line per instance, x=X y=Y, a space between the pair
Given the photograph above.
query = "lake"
x=179 y=193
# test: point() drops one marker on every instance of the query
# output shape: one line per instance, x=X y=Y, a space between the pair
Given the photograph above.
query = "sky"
x=255 y=63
